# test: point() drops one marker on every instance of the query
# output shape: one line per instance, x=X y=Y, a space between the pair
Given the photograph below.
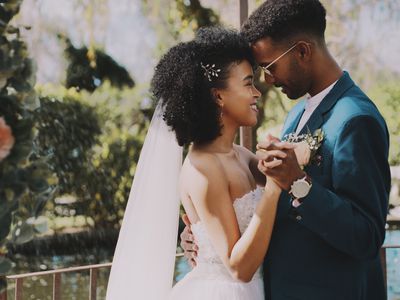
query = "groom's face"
x=286 y=72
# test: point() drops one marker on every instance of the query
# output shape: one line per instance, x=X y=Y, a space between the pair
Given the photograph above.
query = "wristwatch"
x=300 y=188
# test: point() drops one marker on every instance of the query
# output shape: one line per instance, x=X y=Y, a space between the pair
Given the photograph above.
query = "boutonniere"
x=307 y=146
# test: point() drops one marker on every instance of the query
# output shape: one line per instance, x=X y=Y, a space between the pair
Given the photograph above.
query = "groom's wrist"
x=299 y=189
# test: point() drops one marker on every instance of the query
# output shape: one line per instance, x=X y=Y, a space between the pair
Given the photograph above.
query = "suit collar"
x=343 y=84
x=316 y=119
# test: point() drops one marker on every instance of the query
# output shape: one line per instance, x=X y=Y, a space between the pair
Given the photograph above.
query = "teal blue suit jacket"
x=328 y=248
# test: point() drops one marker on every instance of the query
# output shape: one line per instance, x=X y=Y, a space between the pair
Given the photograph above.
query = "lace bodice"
x=244 y=209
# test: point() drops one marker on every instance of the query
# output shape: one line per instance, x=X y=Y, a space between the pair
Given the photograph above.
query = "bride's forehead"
x=241 y=69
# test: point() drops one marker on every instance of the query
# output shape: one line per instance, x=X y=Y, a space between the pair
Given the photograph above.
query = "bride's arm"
x=209 y=191
x=252 y=162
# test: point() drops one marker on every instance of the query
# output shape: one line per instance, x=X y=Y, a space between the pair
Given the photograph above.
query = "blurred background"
x=75 y=107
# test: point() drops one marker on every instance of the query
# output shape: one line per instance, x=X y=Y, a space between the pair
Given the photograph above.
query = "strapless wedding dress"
x=210 y=280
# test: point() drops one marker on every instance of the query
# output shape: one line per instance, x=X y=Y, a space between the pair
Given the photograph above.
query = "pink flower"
x=303 y=153
x=6 y=139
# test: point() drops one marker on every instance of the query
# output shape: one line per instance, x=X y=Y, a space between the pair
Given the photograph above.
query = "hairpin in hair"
x=209 y=70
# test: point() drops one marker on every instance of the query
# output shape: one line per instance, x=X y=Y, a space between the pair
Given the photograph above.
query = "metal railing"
x=56 y=291
x=383 y=259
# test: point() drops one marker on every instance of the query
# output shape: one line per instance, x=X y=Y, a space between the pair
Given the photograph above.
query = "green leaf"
x=41 y=201
x=38 y=184
x=5 y=265
x=40 y=224
x=5 y=225
x=23 y=233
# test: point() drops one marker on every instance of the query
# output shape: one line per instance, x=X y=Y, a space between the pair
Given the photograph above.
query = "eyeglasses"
x=266 y=70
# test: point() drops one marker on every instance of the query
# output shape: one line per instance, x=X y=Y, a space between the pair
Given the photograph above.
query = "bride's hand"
x=271 y=153
x=187 y=242
x=269 y=160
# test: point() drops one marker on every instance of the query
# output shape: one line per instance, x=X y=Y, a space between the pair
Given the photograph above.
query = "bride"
x=205 y=92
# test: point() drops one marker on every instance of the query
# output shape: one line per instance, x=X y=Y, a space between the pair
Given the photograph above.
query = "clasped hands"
x=278 y=161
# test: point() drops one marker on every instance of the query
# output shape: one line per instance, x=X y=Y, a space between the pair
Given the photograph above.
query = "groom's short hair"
x=283 y=19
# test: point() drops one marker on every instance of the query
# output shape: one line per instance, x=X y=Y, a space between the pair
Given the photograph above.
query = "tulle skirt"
x=213 y=282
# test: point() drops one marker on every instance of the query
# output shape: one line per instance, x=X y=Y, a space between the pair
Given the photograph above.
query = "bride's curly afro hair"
x=185 y=92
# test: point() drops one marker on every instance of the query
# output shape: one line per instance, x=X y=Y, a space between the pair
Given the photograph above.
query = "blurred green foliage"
x=176 y=21
x=25 y=176
x=89 y=68
x=192 y=12
x=94 y=139
x=68 y=129
x=387 y=97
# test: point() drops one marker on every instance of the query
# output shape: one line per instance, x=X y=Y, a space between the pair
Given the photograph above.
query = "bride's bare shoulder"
x=201 y=167
x=197 y=161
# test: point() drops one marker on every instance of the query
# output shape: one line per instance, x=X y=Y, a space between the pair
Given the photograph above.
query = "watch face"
x=300 y=189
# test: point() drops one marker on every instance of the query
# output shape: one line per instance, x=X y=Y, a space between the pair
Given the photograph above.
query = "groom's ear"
x=305 y=51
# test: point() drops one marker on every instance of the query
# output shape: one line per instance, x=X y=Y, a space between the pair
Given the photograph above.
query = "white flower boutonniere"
x=307 y=146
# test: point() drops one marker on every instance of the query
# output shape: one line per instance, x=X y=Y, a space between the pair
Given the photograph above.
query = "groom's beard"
x=298 y=84
x=292 y=91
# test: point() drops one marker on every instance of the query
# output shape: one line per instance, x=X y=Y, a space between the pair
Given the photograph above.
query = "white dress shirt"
x=311 y=104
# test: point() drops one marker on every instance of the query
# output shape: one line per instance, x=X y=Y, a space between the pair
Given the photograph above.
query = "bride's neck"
x=223 y=143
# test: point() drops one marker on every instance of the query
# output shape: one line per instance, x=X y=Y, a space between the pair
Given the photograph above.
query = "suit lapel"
x=313 y=123
x=317 y=117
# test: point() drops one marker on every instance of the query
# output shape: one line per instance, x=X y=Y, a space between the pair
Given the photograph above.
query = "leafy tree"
x=95 y=140
x=193 y=11
x=67 y=132
x=345 y=26
x=92 y=130
x=25 y=179
x=387 y=98
x=175 y=21
x=88 y=68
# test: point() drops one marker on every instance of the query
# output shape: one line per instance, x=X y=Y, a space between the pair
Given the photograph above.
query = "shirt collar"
x=313 y=102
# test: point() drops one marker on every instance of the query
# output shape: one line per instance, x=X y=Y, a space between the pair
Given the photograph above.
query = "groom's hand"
x=187 y=242
x=287 y=172
x=271 y=153
x=278 y=161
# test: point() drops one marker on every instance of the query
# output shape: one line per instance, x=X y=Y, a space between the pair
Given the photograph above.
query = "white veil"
x=144 y=259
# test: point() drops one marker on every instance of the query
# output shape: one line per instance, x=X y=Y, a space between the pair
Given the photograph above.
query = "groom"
x=331 y=216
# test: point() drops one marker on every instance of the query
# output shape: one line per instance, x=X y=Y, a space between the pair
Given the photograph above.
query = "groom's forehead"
x=264 y=50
